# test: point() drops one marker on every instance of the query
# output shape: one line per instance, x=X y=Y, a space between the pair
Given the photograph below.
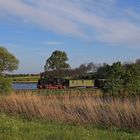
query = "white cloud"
x=53 y=43
x=97 y=20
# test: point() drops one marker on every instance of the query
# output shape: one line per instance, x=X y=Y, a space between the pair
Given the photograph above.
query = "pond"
x=19 y=86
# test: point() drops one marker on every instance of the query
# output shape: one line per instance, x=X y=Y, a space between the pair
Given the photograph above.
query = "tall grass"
x=76 y=108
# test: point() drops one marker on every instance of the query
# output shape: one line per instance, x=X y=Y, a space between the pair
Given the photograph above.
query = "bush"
x=121 y=78
x=5 y=85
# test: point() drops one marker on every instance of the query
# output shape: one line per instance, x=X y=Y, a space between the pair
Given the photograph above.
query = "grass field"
x=68 y=115
x=25 y=79
x=71 y=91
x=17 y=128
x=122 y=113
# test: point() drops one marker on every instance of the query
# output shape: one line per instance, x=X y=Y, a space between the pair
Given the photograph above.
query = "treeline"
x=76 y=73
x=21 y=75
x=120 y=78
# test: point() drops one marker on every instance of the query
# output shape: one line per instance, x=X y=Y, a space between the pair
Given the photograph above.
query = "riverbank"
x=24 y=82
x=24 y=79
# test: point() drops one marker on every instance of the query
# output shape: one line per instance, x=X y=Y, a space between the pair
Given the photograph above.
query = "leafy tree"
x=103 y=71
x=114 y=81
x=9 y=63
x=57 y=61
x=132 y=78
x=121 y=78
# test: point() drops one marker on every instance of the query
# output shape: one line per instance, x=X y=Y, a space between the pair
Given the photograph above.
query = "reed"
x=76 y=108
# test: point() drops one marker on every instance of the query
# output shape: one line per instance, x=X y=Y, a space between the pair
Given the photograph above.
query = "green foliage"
x=114 y=82
x=65 y=91
x=121 y=78
x=80 y=72
x=102 y=72
x=5 y=85
x=57 y=61
x=8 y=61
x=132 y=78
x=14 y=128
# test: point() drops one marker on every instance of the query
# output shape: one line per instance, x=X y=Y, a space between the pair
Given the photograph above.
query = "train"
x=51 y=82
x=60 y=83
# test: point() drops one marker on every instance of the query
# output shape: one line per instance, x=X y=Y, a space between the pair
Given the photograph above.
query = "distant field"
x=25 y=79
x=19 y=128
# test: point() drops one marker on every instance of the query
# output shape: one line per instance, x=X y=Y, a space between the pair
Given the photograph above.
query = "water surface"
x=24 y=86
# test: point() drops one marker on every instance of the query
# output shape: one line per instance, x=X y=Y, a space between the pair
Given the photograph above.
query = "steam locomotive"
x=56 y=80
x=60 y=83
x=53 y=82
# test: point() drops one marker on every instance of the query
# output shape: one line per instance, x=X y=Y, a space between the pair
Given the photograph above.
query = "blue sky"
x=87 y=30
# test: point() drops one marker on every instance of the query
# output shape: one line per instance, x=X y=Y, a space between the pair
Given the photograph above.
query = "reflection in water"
x=24 y=86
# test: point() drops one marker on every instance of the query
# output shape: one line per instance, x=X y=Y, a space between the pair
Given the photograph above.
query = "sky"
x=87 y=30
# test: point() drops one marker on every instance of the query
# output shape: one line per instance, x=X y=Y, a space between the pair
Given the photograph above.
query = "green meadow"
x=18 y=128
x=24 y=79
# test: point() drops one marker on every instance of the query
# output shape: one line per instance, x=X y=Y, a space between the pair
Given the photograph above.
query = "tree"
x=9 y=63
x=114 y=82
x=132 y=78
x=102 y=71
x=57 y=61
x=120 y=78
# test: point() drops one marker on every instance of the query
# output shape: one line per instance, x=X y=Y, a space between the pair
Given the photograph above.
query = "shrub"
x=121 y=78
x=5 y=85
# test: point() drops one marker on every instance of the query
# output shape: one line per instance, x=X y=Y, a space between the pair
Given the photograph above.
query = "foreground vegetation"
x=15 y=128
x=122 y=113
x=68 y=115
x=77 y=91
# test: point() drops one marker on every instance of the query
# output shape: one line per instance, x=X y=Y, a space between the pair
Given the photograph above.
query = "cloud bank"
x=103 y=21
